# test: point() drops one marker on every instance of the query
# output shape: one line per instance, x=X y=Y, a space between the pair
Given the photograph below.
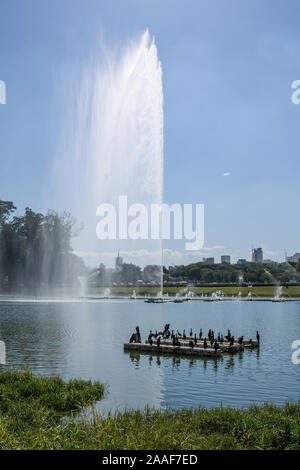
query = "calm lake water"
x=85 y=339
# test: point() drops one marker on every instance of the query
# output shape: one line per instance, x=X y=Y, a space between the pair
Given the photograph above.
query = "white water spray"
x=113 y=140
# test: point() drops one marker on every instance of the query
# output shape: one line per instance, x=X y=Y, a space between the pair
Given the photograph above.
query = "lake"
x=85 y=339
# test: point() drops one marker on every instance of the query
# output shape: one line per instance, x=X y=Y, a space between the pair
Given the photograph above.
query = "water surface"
x=85 y=339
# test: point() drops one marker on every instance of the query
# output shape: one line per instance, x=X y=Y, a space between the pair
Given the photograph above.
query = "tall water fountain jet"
x=113 y=143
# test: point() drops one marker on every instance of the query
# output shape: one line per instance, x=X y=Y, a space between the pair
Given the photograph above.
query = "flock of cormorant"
x=211 y=340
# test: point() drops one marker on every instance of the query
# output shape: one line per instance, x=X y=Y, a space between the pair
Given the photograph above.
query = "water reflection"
x=230 y=363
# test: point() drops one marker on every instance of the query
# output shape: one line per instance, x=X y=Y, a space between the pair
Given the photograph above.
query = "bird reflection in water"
x=135 y=359
x=192 y=363
x=230 y=363
x=176 y=362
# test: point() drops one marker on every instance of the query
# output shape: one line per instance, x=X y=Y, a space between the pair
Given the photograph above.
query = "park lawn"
x=33 y=412
x=256 y=291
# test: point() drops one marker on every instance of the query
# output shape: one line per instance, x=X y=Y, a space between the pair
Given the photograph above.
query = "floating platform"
x=246 y=342
x=225 y=347
x=168 y=349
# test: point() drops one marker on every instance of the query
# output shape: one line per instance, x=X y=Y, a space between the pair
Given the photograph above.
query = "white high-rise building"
x=257 y=255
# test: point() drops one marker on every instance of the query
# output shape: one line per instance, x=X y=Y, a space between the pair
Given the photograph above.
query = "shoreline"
x=34 y=421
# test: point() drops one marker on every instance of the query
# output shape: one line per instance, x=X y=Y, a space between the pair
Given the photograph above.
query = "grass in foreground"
x=31 y=418
x=35 y=404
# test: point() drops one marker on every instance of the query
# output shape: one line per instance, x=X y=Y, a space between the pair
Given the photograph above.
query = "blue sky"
x=228 y=66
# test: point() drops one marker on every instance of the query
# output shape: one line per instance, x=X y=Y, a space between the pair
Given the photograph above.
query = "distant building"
x=257 y=255
x=209 y=260
x=225 y=259
x=241 y=261
x=119 y=262
x=293 y=259
x=268 y=261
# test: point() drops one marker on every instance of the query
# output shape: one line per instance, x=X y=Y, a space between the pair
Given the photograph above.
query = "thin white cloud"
x=272 y=253
x=227 y=173
x=144 y=257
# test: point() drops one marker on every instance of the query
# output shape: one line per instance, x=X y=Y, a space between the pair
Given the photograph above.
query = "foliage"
x=35 y=249
x=128 y=273
x=237 y=273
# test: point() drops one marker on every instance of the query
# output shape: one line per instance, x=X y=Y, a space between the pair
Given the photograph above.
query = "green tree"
x=130 y=273
x=6 y=209
x=35 y=249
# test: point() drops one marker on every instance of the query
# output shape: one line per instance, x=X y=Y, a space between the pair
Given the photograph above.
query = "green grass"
x=30 y=404
x=32 y=411
x=256 y=291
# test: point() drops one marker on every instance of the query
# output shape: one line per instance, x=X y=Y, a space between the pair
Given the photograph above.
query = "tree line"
x=35 y=250
x=256 y=273
x=36 y=255
x=128 y=273
x=259 y=273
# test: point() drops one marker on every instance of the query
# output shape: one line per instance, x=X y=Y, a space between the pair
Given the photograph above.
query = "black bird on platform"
x=136 y=337
x=150 y=335
x=138 y=334
x=258 y=337
x=191 y=343
x=132 y=338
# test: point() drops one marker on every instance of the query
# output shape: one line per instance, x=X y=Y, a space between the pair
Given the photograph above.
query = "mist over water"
x=112 y=140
